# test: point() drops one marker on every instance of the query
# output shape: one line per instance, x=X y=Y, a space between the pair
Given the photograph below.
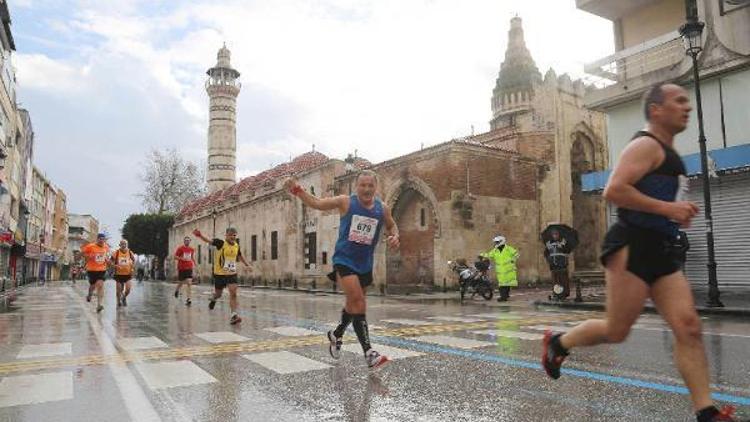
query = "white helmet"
x=499 y=240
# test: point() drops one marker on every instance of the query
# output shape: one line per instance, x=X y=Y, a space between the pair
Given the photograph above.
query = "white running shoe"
x=376 y=360
x=334 y=348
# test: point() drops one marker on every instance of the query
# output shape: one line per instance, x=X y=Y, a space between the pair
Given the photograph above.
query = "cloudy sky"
x=107 y=80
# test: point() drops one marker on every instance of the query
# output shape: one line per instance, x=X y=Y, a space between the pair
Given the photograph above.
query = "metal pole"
x=713 y=285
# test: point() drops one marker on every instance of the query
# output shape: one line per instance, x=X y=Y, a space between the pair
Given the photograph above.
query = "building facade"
x=648 y=50
x=449 y=200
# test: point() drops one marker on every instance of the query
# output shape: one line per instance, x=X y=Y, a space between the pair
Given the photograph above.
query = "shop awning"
x=732 y=159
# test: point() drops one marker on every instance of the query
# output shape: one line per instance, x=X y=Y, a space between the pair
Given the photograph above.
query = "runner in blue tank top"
x=363 y=217
x=638 y=251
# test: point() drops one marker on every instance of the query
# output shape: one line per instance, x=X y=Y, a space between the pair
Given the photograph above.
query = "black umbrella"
x=569 y=234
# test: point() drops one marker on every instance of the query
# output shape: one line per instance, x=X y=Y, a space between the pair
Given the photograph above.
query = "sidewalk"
x=736 y=301
x=520 y=295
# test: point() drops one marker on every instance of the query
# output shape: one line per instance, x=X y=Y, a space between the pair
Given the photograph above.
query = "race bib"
x=187 y=256
x=363 y=229
x=99 y=258
x=123 y=262
x=230 y=266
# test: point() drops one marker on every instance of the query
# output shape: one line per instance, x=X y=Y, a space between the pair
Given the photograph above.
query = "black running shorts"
x=365 y=279
x=123 y=278
x=95 y=276
x=650 y=253
x=221 y=281
x=184 y=274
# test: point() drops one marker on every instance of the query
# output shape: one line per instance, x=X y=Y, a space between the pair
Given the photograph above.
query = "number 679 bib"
x=363 y=229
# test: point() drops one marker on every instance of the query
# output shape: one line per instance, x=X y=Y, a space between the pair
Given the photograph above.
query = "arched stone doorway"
x=412 y=265
x=587 y=209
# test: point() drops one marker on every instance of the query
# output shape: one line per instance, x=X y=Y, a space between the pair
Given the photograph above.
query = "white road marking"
x=39 y=388
x=402 y=321
x=555 y=328
x=45 y=349
x=221 y=337
x=499 y=315
x=285 y=362
x=137 y=404
x=455 y=319
x=458 y=342
x=140 y=343
x=391 y=352
x=511 y=334
x=180 y=373
x=293 y=331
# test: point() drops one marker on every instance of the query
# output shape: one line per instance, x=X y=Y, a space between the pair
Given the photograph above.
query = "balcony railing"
x=664 y=52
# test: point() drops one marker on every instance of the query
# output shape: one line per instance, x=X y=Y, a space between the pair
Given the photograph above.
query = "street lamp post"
x=691 y=33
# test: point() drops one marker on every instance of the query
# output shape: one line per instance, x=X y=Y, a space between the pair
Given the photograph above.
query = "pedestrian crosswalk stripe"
x=221 y=337
x=556 y=328
x=457 y=342
x=293 y=331
x=179 y=373
x=454 y=319
x=46 y=349
x=245 y=347
x=403 y=321
x=511 y=334
x=285 y=362
x=499 y=315
x=140 y=343
x=391 y=352
x=38 y=388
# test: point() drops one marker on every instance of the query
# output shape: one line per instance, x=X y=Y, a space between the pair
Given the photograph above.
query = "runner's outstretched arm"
x=200 y=236
x=340 y=202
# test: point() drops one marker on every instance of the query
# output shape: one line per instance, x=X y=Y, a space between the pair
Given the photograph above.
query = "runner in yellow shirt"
x=226 y=254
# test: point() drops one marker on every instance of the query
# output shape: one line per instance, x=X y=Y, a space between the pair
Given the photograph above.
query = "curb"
x=597 y=306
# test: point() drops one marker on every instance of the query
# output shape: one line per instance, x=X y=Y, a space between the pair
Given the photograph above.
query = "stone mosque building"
x=448 y=200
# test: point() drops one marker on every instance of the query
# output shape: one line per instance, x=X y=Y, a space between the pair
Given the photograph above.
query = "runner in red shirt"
x=185 y=257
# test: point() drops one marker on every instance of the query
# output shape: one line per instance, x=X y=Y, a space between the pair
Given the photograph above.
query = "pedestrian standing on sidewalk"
x=557 y=258
x=226 y=254
x=637 y=256
x=504 y=257
x=185 y=257
x=362 y=218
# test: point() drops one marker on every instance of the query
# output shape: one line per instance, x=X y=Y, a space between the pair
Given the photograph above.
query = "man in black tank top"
x=637 y=253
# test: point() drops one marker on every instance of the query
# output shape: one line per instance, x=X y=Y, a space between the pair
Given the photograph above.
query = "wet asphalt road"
x=158 y=360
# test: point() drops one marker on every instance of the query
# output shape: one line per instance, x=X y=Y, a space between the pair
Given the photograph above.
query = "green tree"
x=148 y=234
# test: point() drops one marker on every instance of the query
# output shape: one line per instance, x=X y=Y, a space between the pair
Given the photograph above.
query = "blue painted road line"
x=613 y=379
x=471 y=354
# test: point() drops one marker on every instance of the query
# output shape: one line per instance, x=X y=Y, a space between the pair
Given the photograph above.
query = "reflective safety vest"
x=225 y=259
x=505 y=265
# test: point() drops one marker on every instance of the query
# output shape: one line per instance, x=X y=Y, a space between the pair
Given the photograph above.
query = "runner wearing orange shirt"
x=124 y=262
x=95 y=255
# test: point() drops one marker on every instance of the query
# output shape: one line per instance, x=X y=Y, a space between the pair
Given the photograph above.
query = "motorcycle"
x=473 y=279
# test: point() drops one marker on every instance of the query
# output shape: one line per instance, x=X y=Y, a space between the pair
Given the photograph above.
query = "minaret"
x=222 y=87
x=518 y=76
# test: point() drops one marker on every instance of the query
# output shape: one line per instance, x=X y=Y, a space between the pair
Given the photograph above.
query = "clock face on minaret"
x=222 y=87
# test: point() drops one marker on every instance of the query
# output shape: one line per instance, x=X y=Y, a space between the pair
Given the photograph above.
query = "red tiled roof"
x=299 y=164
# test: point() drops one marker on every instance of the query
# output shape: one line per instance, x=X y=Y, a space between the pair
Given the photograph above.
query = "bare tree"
x=170 y=181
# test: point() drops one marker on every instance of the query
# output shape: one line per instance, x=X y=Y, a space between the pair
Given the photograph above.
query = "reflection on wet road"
x=158 y=360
